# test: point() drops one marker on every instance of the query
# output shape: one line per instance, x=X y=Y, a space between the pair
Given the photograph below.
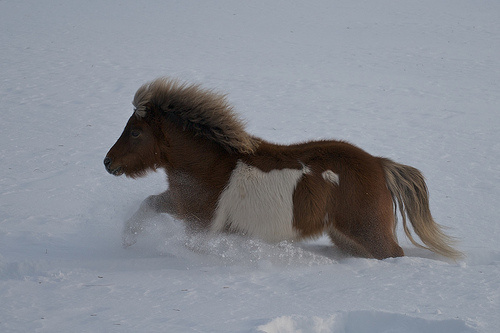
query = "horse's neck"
x=198 y=172
x=199 y=159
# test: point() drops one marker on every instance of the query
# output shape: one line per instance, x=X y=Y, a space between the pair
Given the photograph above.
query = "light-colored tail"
x=409 y=193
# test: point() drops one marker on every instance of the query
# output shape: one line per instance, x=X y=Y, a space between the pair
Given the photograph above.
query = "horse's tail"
x=409 y=193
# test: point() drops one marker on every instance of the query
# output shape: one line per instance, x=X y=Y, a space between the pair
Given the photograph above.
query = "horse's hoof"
x=128 y=240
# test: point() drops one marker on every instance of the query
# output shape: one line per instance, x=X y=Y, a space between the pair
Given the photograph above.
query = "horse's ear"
x=140 y=111
x=144 y=110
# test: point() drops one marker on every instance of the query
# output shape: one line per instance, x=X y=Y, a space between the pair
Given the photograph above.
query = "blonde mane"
x=203 y=111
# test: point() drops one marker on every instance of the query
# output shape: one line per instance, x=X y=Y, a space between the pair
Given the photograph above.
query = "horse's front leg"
x=150 y=207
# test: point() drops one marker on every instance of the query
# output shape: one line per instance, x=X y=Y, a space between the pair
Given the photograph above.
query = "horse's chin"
x=116 y=172
x=119 y=171
x=136 y=174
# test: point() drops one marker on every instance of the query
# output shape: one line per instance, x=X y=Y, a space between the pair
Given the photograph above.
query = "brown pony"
x=222 y=179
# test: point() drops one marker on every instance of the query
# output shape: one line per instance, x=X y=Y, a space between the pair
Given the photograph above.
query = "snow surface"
x=416 y=81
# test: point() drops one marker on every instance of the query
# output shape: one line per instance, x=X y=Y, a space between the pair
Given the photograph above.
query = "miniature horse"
x=222 y=179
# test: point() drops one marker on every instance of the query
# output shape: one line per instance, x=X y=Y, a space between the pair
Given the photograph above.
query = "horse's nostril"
x=107 y=161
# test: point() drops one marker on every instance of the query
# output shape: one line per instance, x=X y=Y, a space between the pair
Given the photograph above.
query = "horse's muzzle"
x=107 y=164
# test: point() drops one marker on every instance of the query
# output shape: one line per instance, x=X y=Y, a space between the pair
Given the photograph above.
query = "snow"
x=415 y=81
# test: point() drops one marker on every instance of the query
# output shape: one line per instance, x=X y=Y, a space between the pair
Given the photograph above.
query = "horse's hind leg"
x=150 y=207
x=380 y=243
x=369 y=240
x=347 y=244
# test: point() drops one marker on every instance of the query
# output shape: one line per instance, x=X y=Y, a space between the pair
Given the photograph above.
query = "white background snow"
x=416 y=81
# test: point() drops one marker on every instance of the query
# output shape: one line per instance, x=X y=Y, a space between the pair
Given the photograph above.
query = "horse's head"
x=137 y=150
x=168 y=117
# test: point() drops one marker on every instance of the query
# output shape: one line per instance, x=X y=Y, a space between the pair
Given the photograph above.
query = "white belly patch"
x=259 y=204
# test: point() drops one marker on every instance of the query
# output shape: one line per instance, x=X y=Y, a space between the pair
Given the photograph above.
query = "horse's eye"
x=135 y=133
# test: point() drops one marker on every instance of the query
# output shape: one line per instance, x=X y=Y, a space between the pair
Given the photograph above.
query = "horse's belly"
x=259 y=204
